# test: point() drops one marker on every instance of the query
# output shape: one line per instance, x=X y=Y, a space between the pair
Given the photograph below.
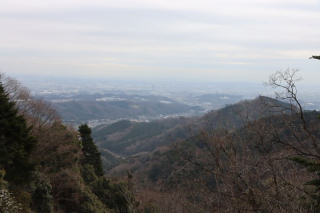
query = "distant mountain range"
x=131 y=139
x=107 y=108
x=110 y=107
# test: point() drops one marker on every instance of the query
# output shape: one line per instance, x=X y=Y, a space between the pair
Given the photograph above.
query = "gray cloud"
x=231 y=39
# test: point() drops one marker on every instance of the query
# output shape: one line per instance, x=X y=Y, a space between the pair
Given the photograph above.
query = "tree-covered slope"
x=45 y=166
x=251 y=168
x=128 y=138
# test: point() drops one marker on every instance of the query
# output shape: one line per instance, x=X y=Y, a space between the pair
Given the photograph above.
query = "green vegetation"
x=16 y=142
x=90 y=151
x=45 y=168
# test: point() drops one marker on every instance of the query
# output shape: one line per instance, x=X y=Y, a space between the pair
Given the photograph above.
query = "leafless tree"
x=37 y=112
x=249 y=169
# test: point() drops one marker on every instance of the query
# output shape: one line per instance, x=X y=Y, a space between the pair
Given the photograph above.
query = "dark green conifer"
x=90 y=151
x=16 y=142
x=315 y=57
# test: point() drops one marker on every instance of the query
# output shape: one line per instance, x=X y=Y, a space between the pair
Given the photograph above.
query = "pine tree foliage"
x=16 y=142
x=90 y=150
x=315 y=57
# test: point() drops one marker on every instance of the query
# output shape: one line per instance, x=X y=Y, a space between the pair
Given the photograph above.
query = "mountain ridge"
x=128 y=138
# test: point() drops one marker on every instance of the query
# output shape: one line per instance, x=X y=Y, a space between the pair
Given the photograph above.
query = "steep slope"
x=252 y=166
x=259 y=135
x=45 y=167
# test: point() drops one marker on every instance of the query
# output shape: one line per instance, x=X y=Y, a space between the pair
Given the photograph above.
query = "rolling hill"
x=129 y=139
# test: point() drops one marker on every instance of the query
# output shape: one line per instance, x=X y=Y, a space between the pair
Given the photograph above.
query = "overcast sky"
x=222 y=40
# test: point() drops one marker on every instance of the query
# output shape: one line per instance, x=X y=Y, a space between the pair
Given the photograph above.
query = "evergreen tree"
x=16 y=142
x=315 y=57
x=90 y=151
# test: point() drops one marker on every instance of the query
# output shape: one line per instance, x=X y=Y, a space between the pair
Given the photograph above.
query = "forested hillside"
x=252 y=168
x=46 y=166
x=255 y=156
x=259 y=155
x=127 y=138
